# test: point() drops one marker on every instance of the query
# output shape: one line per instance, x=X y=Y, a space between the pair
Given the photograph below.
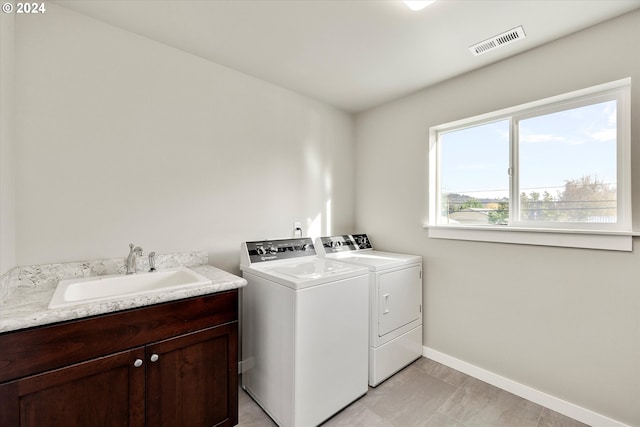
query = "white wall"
x=122 y=139
x=7 y=171
x=563 y=321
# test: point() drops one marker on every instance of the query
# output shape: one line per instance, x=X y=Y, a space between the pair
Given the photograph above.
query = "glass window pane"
x=474 y=180
x=567 y=165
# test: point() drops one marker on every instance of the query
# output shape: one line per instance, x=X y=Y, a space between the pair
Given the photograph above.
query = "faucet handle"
x=152 y=262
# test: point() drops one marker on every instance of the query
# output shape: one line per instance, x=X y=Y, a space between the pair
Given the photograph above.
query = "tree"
x=588 y=198
x=457 y=202
x=500 y=215
x=585 y=199
x=534 y=208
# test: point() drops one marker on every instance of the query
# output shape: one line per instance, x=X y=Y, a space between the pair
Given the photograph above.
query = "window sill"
x=605 y=240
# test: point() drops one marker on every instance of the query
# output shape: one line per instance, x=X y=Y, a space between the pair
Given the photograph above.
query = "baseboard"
x=548 y=401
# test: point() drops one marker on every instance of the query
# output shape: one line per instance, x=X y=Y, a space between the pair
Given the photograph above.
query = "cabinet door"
x=108 y=391
x=192 y=379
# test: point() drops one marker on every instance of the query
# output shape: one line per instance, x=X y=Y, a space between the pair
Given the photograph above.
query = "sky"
x=553 y=149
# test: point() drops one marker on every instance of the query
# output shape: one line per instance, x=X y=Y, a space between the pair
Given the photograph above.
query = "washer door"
x=399 y=298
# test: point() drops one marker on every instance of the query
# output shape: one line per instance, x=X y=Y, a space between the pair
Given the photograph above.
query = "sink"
x=117 y=286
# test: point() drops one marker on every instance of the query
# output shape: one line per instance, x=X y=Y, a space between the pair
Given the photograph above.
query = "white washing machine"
x=395 y=290
x=304 y=331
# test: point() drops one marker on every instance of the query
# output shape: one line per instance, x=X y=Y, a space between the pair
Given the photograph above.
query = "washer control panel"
x=346 y=242
x=271 y=250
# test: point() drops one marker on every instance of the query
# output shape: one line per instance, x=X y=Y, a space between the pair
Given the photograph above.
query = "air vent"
x=498 y=41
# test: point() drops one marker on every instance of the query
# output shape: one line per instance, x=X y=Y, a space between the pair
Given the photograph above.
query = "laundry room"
x=191 y=128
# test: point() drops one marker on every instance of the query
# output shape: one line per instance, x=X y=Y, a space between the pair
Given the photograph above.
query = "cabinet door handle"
x=154 y=357
x=138 y=363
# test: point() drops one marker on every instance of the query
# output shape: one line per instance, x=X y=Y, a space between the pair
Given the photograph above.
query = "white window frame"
x=616 y=236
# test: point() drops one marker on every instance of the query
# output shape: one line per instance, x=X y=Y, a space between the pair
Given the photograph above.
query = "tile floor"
x=428 y=394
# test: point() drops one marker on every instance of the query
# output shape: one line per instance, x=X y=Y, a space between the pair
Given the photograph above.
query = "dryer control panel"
x=271 y=250
x=345 y=242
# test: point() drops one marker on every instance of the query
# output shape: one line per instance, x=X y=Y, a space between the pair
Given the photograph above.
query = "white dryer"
x=304 y=331
x=395 y=290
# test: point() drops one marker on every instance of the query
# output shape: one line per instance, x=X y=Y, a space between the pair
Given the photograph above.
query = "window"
x=556 y=166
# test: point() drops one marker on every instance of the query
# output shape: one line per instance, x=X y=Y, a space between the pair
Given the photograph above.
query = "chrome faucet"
x=131 y=259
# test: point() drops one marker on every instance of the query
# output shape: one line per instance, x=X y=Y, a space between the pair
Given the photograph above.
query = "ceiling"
x=352 y=54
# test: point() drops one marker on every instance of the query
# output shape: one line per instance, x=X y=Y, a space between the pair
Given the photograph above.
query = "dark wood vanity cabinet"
x=171 y=364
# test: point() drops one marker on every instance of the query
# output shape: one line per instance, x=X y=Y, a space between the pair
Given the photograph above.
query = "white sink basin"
x=117 y=286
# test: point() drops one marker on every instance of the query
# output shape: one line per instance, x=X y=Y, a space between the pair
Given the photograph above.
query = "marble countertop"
x=27 y=306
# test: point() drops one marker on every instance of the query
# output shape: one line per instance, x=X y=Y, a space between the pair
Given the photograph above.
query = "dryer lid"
x=313 y=269
x=376 y=260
